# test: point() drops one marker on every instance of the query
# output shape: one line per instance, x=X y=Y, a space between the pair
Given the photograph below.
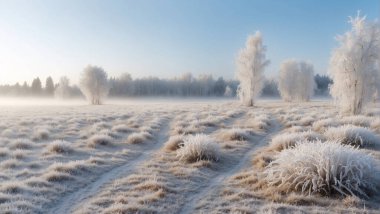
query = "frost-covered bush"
x=288 y=140
x=122 y=128
x=326 y=168
x=354 y=66
x=59 y=147
x=357 y=120
x=296 y=82
x=237 y=134
x=251 y=63
x=41 y=134
x=21 y=143
x=174 y=143
x=258 y=122
x=352 y=135
x=136 y=138
x=375 y=125
x=198 y=147
x=63 y=89
x=94 y=84
x=322 y=125
x=99 y=139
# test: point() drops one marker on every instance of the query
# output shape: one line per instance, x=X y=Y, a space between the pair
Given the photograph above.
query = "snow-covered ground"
x=179 y=156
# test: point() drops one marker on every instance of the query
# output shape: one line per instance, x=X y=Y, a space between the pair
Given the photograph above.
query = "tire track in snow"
x=217 y=181
x=72 y=200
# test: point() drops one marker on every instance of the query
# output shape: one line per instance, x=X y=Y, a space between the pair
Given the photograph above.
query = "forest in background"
x=186 y=85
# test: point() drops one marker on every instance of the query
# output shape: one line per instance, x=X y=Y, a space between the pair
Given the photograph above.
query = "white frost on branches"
x=94 y=84
x=251 y=63
x=296 y=82
x=63 y=89
x=354 y=66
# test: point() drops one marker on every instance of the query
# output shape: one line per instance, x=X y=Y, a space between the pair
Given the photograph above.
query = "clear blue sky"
x=164 y=38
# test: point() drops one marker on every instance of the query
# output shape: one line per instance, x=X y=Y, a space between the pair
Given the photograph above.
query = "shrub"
x=59 y=147
x=237 y=134
x=41 y=134
x=259 y=122
x=375 y=125
x=198 y=147
x=99 y=139
x=122 y=128
x=174 y=143
x=357 y=120
x=287 y=140
x=21 y=144
x=136 y=138
x=325 y=168
x=352 y=135
x=322 y=125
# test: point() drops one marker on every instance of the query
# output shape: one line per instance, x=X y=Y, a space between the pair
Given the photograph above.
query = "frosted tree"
x=63 y=89
x=306 y=83
x=354 y=66
x=296 y=81
x=49 y=86
x=286 y=84
x=94 y=84
x=251 y=64
x=228 y=91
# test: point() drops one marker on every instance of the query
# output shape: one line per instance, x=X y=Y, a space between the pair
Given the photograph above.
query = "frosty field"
x=191 y=156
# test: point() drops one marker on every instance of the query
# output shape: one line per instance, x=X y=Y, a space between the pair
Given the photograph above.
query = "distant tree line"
x=125 y=86
x=36 y=89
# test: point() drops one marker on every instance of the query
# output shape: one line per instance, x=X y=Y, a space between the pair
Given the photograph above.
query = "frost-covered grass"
x=59 y=147
x=375 y=125
x=41 y=134
x=139 y=137
x=100 y=140
x=357 y=120
x=21 y=144
x=283 y=141
x=166 y=151
x=325 y=168
x=122 y=128
x=235 y=133
x=322 y=125
x=353 y=135
x=287 y=140
x=174 y=143
x=198 y=147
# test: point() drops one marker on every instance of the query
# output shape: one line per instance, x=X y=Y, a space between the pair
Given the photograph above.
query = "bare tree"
x=354 y=66
x=94 y=84
x=251 y=64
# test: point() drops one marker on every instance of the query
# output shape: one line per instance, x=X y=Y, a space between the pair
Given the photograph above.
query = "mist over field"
x=195 y=106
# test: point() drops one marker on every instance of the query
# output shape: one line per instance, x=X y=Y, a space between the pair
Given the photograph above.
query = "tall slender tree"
x=251 y=64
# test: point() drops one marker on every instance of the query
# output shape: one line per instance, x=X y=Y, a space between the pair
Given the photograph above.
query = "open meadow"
x=189 y=157
x=189 y=107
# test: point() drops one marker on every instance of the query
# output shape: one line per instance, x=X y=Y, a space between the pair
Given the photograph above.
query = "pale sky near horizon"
x=164 y=38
